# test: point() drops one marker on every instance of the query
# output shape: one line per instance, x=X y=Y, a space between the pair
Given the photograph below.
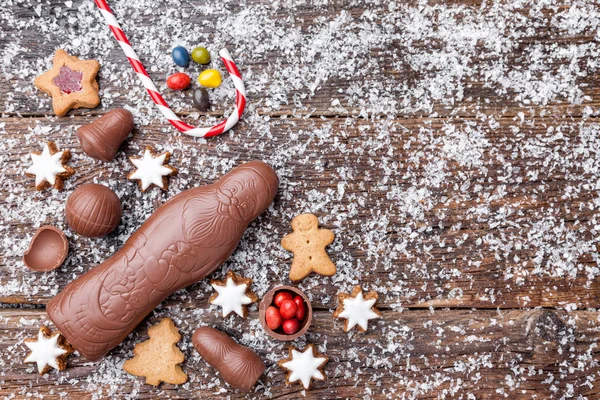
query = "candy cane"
x=240 y=89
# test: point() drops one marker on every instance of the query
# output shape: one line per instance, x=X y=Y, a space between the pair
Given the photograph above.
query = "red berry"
x=273 y=318
x=280 y=297
x=178 y=81
x=287 y=309
x=291 y=326
x=300 y=308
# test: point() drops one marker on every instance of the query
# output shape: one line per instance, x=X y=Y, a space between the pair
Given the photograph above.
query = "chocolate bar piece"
x=185 y=240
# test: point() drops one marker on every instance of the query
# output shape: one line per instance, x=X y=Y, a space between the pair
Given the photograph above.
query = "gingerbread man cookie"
x=308 y=243
x=71 y=82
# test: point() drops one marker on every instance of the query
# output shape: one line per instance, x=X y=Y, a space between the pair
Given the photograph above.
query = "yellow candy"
x=210 y=78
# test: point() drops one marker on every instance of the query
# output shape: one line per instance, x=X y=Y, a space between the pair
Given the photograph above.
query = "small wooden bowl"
x=268 y=301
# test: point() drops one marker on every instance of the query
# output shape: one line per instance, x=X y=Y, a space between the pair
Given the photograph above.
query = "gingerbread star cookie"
x=49 y=350
x=49 y=167
x=152 y=169
x=308 y=243
x=304 y=366
x=357 y=309
x=71 y=82
x=233 y=294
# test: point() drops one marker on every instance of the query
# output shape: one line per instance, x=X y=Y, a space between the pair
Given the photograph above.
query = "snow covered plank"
x=410 y=354
x=343 y=58
x=444 y=213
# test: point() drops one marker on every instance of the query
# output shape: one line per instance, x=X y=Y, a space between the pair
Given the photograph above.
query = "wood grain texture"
x=526 y=347
x=452 y=146
x=455 y=263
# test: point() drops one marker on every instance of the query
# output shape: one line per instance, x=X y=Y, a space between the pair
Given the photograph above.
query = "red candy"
x=291 y=326
x=178 y=81
x=273 y=318
x=280 y=297
x=287 y=309
x=300 y=308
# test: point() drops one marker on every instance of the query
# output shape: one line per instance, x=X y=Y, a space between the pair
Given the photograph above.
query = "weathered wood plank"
x=411 y=354
x=338 y=58
x=432 y=213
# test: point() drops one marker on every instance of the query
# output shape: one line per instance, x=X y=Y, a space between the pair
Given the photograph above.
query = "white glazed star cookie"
x=304 y=366
x=152 y=169
x=48 y=167
x=357 y=309
x=49 y=350
x=233 y=294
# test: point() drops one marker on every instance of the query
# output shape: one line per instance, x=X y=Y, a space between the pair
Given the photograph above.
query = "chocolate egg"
x=93 y=210
x=48 y=249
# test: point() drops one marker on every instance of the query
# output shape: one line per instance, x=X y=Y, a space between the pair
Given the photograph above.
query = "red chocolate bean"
x=280 y=297
x=185 y=240
x=238 y=365
x=102 y=138
x=291 y=326
x=178 y=81
x=300 y=308
x=273 y=318
x=287 y=309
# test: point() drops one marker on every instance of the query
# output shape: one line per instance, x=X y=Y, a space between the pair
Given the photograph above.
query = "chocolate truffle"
x=238 y=365
x=102 y=138
x=93 y=210
x=48 y=249
x=183 y=241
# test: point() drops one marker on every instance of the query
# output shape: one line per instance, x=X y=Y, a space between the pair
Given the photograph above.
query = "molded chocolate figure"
x=102 y=138
x=185 y=240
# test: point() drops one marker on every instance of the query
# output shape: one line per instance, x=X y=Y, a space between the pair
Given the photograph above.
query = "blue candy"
x=181 y=56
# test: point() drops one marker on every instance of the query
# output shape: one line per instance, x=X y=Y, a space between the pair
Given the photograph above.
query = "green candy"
x=201 y=55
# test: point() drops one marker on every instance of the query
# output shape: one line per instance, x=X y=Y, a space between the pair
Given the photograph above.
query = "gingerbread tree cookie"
x=152 y=169
x=233 y=294
x=308 y=243
x=49 y=350
x=49 y=167
x=357 y=309
x=71 y=82
x=304 y=366
x=158 y=358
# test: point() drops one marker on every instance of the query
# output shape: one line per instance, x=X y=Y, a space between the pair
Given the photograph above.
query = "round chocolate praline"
x=268 y=301
x=93 y=210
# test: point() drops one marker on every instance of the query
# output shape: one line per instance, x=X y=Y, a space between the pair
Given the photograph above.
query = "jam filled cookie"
x=71 y=82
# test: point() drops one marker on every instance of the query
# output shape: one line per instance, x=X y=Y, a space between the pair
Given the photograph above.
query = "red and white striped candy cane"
x=240 y=89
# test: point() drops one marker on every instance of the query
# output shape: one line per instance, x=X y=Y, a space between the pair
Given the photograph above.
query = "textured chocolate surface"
x=238 y=365
x=48 y=249
x=93 y=210
x=267 y=301
x=185 y=240
x=102 y=138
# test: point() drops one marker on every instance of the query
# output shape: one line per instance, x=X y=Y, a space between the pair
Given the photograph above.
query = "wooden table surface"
x=453 y=148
